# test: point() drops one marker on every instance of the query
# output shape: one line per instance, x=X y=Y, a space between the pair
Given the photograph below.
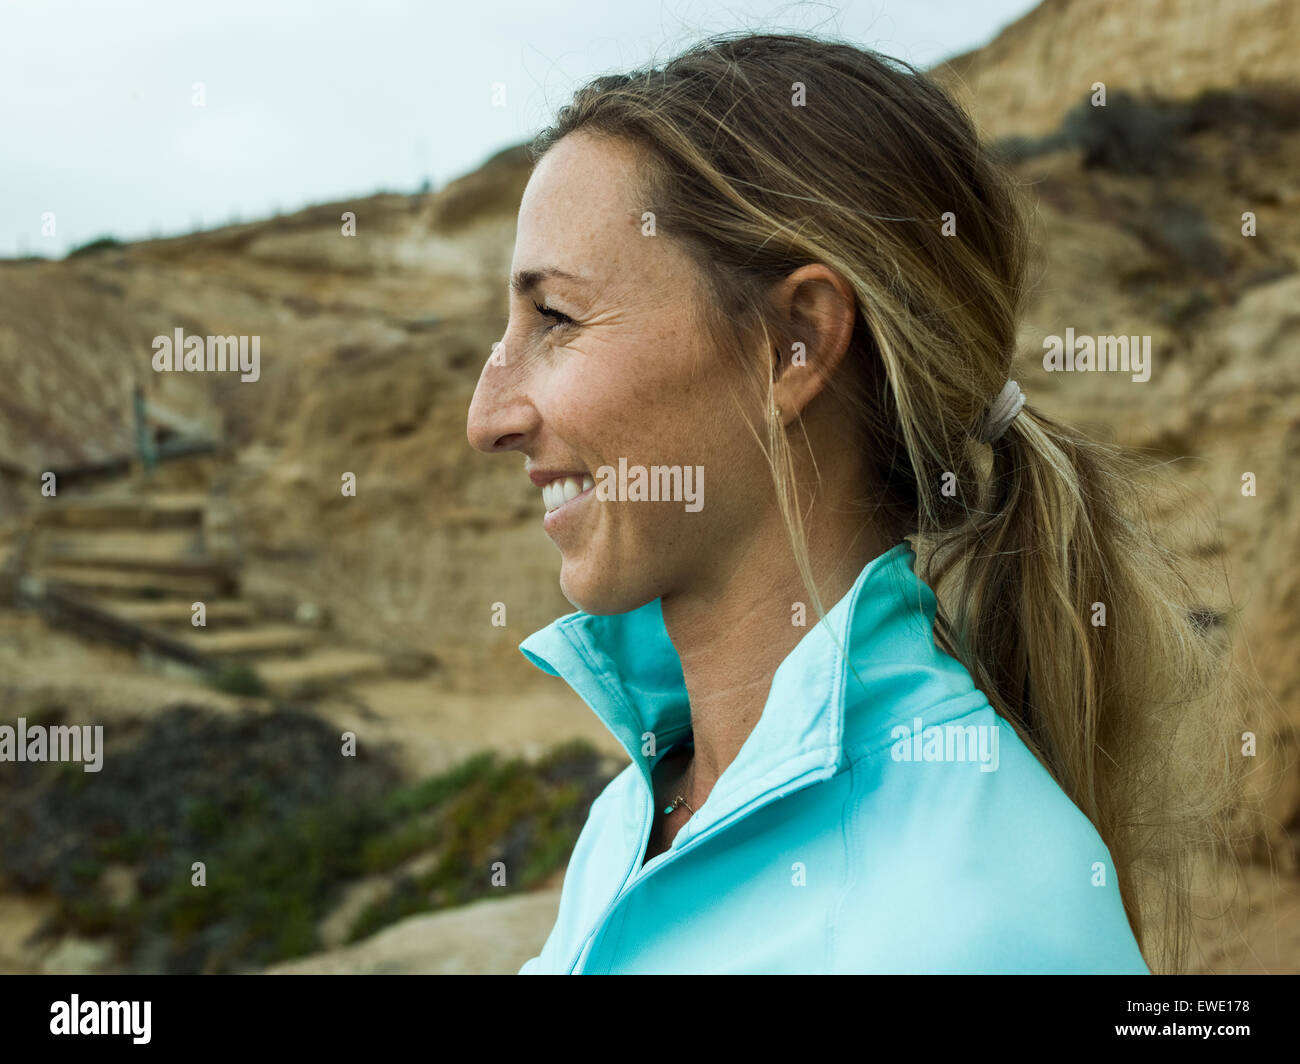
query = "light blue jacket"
x=888 y=822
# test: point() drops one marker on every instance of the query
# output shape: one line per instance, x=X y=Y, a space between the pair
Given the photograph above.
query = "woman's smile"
x=563 y=494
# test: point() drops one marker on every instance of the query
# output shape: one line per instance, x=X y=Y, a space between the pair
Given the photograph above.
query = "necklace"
x=680 y=800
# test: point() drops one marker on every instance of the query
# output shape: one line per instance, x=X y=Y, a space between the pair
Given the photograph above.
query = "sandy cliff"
x=1026 y=78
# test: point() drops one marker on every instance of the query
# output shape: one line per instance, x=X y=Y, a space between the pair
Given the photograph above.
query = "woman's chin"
x=585 y=595
x=592 y=589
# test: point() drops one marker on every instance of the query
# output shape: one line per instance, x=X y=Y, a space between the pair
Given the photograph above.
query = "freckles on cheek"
x=631 y=394
x=588 y=415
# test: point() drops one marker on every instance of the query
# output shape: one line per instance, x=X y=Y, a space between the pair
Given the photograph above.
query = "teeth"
x=558 y=492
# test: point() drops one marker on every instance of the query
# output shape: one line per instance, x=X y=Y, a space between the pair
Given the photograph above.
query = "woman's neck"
x=732 y=636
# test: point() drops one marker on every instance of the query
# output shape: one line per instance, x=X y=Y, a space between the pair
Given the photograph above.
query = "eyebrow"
x=526 y=280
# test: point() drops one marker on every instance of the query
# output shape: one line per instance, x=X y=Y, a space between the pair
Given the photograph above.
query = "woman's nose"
x=501 y=416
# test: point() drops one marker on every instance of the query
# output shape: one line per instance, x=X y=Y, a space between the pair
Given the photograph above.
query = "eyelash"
x=559 y=318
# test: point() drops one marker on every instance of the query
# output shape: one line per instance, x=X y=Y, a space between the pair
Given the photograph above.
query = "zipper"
x=644 y=834
x=631 y=881
x=647 y=821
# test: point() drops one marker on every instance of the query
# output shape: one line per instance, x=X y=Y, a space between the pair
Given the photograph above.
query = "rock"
x=21 y=918
x=489 y=937
x=78 y=956
x=335 y=927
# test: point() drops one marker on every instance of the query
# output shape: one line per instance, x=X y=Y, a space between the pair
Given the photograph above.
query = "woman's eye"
x=550 y=312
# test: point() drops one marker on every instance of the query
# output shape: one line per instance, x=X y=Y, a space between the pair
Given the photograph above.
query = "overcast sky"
x=310 y=102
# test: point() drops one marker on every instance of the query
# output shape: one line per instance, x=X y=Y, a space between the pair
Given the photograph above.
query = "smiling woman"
x=790 y=261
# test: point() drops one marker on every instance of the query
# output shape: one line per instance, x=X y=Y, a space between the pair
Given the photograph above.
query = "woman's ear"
x=816 y=303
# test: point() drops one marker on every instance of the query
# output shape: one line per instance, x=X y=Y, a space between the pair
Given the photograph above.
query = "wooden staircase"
x=130 y=566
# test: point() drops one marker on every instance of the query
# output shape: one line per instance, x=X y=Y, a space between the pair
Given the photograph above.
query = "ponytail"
x=1076 y=624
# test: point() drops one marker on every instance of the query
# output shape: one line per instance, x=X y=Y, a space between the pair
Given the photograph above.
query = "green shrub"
x=282 y=825
x=92 y=247
x=236 y=678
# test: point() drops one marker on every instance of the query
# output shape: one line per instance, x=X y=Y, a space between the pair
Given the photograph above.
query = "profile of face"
x=608 y=369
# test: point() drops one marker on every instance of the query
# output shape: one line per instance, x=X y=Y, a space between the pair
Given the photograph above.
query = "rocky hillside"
x=1025 y=79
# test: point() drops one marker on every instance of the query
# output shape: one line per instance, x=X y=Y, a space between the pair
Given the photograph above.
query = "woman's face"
x=622 y=375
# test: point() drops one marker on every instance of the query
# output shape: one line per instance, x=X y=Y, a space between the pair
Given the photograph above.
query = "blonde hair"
x=1132 y=718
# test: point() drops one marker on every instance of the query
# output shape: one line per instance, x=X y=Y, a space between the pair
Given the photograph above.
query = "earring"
x=776 y=407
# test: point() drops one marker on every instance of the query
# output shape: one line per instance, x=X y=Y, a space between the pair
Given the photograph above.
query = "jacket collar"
x=625 y=667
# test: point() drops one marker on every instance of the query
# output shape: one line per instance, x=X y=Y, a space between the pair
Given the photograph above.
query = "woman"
x=784 y=270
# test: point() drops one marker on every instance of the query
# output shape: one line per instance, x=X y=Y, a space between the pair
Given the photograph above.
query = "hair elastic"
x=1002 y=411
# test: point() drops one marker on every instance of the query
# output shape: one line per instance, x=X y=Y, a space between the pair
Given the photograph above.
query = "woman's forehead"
x=578 y=217
x=584 y=175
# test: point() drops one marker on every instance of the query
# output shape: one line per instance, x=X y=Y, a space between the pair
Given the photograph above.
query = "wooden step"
x=141 y=563
x=136 y=583
x=249 y=644
x=319 y=670
x=171 y=510
x=131 y=548
x=178 y=612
